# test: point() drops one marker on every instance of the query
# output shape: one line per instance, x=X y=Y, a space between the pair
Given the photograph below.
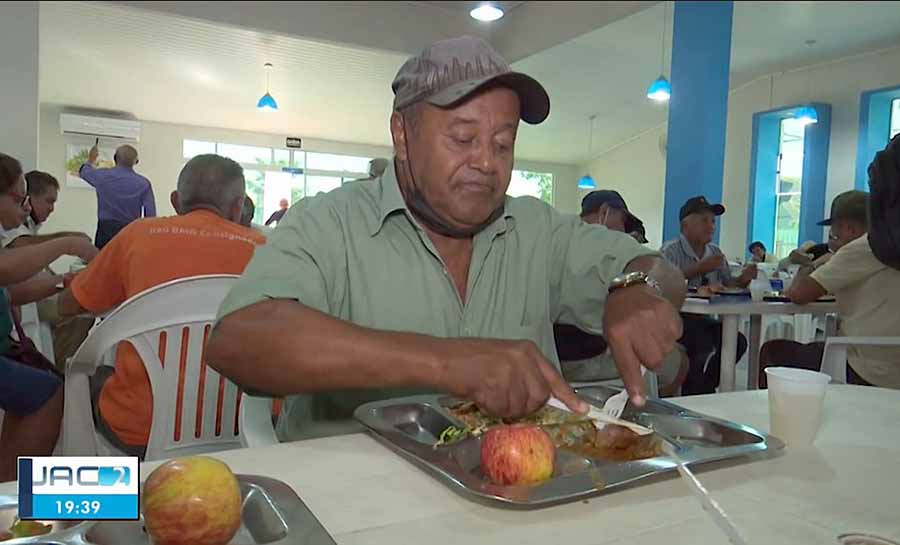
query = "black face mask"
x=424 y=212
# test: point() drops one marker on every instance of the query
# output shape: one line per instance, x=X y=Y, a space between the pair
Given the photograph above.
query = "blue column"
x=698 y=109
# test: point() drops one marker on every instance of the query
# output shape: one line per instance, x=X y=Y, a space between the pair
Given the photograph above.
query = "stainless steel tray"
x=272 y=513
x=411 y=426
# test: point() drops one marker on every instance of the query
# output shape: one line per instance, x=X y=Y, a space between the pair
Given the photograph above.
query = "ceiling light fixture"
x=661 y=90
x=486 y=13
x=267 y=101
x=807 y=115
x=586 y=181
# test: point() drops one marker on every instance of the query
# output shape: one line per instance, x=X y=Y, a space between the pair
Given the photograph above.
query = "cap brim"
x=717 y=209
x=825 y=223
x=534 y=103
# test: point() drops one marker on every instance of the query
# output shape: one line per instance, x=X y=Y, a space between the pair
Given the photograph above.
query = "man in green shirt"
x=430 y=278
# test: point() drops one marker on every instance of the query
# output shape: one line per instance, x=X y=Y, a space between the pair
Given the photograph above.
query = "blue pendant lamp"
x=267 y=101
x=586 y=182
x=807 y=115
x=661 y=90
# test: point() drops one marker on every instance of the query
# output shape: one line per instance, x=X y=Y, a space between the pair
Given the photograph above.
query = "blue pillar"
x=698 y=109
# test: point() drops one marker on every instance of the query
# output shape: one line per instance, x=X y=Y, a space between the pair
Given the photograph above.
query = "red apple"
x=517 y=454
x=193 y=500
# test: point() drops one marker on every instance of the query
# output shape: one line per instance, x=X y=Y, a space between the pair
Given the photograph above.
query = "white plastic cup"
x=796 y=399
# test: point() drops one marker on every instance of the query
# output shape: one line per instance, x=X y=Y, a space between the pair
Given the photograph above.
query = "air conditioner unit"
x=126 y=130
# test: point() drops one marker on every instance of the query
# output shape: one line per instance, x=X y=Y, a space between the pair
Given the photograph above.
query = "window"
x=788 y=186
x=879 y=121
x=895 y=117
x=267 y=181
x=788 y=168
x=535 y=184
x=191 y=148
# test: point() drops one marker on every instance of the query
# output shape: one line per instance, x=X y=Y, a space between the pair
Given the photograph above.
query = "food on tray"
x=566 y=430
x=194 y=500
x=517 y=455
x=25 y=528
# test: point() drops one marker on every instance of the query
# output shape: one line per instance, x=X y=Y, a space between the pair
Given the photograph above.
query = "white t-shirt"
x=868 y=299
x=27 y=229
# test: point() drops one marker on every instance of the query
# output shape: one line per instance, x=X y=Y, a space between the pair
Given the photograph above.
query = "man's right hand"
x=712 y=263
x=507 y=379
x=93 y=154
x=81 y=247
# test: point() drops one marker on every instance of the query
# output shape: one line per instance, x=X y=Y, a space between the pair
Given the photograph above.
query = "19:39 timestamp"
x=83 y=507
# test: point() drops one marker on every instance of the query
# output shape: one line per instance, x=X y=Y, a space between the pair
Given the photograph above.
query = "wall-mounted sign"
x=293 y=142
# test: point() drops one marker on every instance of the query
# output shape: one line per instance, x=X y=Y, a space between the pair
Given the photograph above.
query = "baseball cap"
x=850 y=205
x=448 y=71
x=595 y=199
x=697 y=205
x=635 y=228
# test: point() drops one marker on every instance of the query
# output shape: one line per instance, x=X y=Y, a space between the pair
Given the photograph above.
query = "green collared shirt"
x=357 y=254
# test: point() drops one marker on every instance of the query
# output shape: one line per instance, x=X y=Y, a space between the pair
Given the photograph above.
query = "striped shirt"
x=679 y=253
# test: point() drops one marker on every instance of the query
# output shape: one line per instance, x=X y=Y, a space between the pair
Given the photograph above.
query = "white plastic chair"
x=39 y=332
x=256 y=422
x=161 y=323
x=834 y=358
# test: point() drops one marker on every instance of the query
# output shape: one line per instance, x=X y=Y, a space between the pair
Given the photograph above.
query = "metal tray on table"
x=272 y=513
x=411 y=427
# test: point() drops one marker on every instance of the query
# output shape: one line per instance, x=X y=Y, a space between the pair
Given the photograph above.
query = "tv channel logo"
x=83 y=487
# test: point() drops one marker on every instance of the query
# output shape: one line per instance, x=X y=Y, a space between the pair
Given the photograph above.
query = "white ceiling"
x=606 y=72
x=469 y=6
x=167 y=67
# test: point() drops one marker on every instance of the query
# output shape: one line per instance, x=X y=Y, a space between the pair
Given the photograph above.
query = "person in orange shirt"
x=204 y=238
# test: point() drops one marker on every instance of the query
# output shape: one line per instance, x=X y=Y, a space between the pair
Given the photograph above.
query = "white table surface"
x=731 y=313
x=364 y=494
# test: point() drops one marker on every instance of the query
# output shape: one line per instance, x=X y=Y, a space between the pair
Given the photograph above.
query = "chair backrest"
x=195 y=409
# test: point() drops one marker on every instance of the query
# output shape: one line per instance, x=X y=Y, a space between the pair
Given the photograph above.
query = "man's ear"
x=173 y=198
x=399 y=135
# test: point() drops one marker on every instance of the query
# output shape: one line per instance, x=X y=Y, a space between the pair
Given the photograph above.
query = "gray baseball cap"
x=448 y=71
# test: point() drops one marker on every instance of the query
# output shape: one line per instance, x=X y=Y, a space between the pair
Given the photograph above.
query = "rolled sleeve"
x=588 y=257
x=301 y=261
x=849 y=265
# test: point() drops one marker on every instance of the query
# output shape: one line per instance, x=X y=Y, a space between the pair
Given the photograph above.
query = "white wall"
x=637 y=169
x=19 y=86
x=160 y=151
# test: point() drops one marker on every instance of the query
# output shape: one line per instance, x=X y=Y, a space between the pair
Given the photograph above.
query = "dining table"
x=364 y=493
x=732 y=311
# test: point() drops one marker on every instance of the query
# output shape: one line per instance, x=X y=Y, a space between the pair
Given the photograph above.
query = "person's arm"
x=271 y=219
x=850 y=265
x=20 y=264
x=747 y=275
x=148 y=201
x=804 y=289
x=101 y=286
x=28 y=240
x=34 y=289
x=67 y=305
x=88 y=171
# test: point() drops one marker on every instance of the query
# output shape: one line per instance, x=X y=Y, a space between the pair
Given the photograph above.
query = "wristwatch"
x=635 y=277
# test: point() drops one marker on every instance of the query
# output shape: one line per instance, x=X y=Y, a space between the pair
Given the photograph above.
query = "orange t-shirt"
x=145 y=254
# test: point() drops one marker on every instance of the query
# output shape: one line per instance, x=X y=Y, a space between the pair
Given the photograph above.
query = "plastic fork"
x=601 y=418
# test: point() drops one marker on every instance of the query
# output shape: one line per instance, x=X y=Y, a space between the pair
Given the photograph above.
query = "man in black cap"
x=701 y=261
x=867 y=292
x=430 y=278
x=606 y=207
x=703 y=264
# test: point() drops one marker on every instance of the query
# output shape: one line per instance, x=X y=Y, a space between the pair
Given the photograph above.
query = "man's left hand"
x=748 y=274
x=641 y=328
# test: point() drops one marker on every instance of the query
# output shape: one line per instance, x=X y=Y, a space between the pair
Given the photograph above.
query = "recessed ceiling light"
x=486 y=12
